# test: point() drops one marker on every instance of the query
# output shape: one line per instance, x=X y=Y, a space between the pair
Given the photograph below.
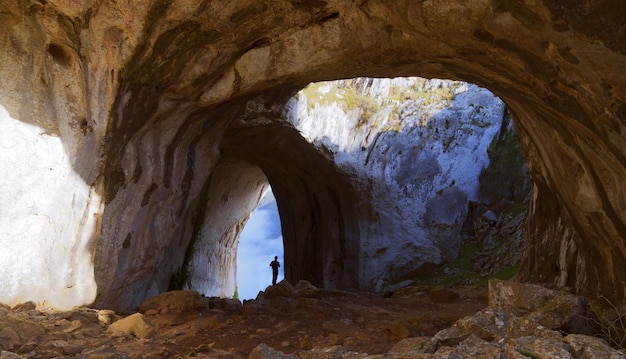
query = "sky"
x=260 y=240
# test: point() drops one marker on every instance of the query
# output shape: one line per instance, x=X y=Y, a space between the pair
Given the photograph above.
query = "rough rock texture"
x=521 y=321
x=133 y=104
x=415 y=150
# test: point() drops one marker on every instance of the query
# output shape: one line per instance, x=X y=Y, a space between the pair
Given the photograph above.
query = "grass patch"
x=459 y=271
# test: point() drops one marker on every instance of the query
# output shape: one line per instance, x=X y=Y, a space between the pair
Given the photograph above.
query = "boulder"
x=281 y=289
x=399 y=329
x=226 y=304
x=553 y=309
x=102 y=352
x=174 y=302
x=135 y=324
x=25 y=307
x=442 y=295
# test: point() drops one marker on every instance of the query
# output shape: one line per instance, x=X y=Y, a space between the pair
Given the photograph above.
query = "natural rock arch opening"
x=235 y=188
x=142 y=104
x=260 y=241
x=408 y=116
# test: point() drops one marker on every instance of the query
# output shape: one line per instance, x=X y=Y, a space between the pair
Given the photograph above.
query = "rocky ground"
x=451 y=312
x=184 y=324
x=512 y=321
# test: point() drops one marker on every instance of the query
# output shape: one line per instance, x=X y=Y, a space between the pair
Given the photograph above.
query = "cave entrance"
x=440 y=178
x=260 y=240
x=380 y=179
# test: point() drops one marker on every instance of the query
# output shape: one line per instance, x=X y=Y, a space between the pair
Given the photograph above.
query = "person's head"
x=275 y=257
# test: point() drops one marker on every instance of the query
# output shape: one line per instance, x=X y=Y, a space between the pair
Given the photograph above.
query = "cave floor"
x=364 y=322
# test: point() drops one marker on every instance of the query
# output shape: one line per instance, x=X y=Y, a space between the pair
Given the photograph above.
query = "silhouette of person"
x=274 y=264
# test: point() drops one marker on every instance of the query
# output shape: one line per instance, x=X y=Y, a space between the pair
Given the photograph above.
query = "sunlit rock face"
x=49 y=221
x=415 y=150
x=234 y=190
x=147 y=97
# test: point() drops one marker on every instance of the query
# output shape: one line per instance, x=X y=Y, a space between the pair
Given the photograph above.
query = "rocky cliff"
x=415 y=150
x=129 y=107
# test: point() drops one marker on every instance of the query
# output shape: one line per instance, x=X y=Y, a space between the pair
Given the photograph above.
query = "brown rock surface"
x=150 y=97
x=361 y=325
x=135 y=324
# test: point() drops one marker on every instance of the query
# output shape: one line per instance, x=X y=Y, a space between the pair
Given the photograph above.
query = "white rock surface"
x=48 y=219
x=418 y=149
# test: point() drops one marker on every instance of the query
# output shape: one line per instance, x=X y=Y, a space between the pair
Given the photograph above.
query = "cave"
x=140 y=108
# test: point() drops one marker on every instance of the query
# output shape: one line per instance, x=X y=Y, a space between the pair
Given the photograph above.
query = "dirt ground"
x=183 y=324
x=364 y=322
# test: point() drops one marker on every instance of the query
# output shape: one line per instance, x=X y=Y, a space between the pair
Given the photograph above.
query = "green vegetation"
x=505 y=173
x=504 y=274
x=346 y=95
x=236 y=294
x=460 y=270
x=529 y=354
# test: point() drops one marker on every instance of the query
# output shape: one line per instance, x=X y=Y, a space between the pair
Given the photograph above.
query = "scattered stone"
x=413 y=291
x=262 y=351
x=9 y=338
x=281 y=289
x=540 y=348
x=523 y=321
x=587 y=347
x=106 y=316
x=9 y=355
x=134 y=324
x=25 y=307
x=90 y=330
x=490 y=217
x=399 y=329
x=394 y=287
x=553 y=309
x=103 y=352
x=304 y=285
x=471 y=348
x=251 y=308
x=442 y=295
x=305 y=303
x=412 y=346
x=179 y=301
x=226 y=304
x=73 y=326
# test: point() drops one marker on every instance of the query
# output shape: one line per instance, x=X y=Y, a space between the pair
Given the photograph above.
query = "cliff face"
x=128 y=108
x=415 y=150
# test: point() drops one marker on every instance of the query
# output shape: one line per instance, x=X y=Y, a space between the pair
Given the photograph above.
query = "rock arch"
x=146 y=97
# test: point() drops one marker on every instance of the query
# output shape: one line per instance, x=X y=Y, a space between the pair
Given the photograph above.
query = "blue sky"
x=259 y=242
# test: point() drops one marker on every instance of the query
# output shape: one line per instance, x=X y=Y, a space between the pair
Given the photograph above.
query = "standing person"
x=275 y=265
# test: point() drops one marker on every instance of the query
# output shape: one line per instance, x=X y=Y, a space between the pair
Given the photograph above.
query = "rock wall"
x=50 y=221
x=234 y=190
x=140 y=96
x=415 y=150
